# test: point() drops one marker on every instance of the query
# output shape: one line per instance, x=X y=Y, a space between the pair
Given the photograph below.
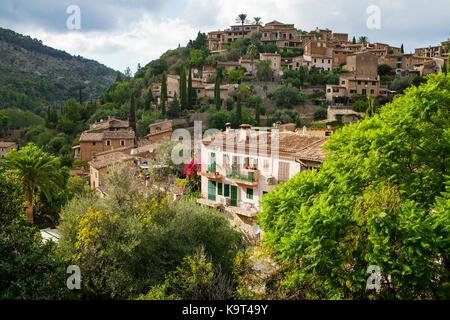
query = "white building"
x=240 y=166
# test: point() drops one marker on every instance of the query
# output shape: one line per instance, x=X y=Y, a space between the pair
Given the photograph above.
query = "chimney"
x=227 y=127
x=304 y=131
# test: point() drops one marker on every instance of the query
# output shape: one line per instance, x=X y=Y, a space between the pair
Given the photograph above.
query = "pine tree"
x=183 y=97
x=189 y=91
x=402 y=49
x=163 y=94
x=217 y=100
x=354 y=40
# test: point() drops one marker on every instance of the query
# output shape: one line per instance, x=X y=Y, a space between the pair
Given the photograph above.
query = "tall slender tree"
x=132 y=113
x=183 y=96
x=163 y=93
x=402 y=49
x=238 y=111
x=148 y=99
x=189 y=90
x=38 y=171
x=258 y=112
x=217 y=100
x=354 y=40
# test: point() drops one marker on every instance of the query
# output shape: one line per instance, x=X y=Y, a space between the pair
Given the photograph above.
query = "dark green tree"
x=132 y=113
x=217 y=100
x=163 y=93
x=183 y=96
x=189 y=90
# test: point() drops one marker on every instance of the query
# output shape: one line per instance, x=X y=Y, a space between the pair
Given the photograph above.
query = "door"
x=233 y=201
x=212 y=190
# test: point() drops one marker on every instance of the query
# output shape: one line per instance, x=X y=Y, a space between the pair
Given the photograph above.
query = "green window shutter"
x=219 y=191
x=249 y=193
x=212 y=190
x=226 y=192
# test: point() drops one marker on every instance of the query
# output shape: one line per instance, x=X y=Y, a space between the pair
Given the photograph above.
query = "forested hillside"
x=35 y=76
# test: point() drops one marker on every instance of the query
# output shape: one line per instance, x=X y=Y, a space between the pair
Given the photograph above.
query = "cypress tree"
x=402 y=49
x=257 y=112
x=132 y=114
x=238 y=111
x=217 y=100
x=183 y=97
x=354 y=40
x=148 y=99
x=163 y=94
x=189 y=91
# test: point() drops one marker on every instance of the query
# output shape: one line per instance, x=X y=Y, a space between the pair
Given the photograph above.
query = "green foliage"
x=28 y=268
x=236 y=76
x=197 y=58
x=400 y=84
x=360 y=106
x=218 y=119
x=320 y=114
x=13 y=200
x=263 y=70
x=127 y=242
x=287 y=97
x=21 y=119
x=380 y=199
x=194 y=279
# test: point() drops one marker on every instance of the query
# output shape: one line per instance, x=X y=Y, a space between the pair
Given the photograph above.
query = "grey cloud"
x=96 y=15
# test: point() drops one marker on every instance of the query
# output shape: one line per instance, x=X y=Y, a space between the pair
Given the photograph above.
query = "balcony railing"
x=244 y=176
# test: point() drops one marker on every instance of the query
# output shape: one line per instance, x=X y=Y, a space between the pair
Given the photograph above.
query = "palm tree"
x=363 y=39
x=252 y=53
x=38 y=171
x=257 y=20
x=242 y=18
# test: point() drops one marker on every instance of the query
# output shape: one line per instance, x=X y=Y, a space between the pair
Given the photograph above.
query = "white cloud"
x=143 y=42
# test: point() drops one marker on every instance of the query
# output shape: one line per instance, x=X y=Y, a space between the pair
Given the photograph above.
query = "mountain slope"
x=34 y=76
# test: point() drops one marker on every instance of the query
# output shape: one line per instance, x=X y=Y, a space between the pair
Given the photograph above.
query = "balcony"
x=211 y=172
x=244 y=209
x=247 y=177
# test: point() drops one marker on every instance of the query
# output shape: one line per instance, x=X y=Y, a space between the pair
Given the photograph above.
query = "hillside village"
x=253 y=106
x=314 y=82
x=235 y=181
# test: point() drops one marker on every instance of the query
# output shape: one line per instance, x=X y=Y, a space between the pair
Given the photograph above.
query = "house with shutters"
x=240 y=165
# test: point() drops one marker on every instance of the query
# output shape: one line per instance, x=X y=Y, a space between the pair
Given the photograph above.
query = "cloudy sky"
x=123 y=33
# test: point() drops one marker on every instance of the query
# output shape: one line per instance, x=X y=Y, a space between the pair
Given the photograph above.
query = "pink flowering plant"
x=192 y=181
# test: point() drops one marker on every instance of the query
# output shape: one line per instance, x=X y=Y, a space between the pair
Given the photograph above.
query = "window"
x=362 y=72
x=96 y=175
x=362 y=63
x=370 y=72
x=122 y=142
x=226 y=190
x=108 y=142
x=219 y=188
x=283 y=171
x=274 y=64
x=372 y=91
x=93 y=153
x=93 y=143
x=249 y=193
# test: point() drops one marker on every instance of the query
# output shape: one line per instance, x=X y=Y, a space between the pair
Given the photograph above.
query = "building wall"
x=87 y=147
x=364 y=65
x=5 y=150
